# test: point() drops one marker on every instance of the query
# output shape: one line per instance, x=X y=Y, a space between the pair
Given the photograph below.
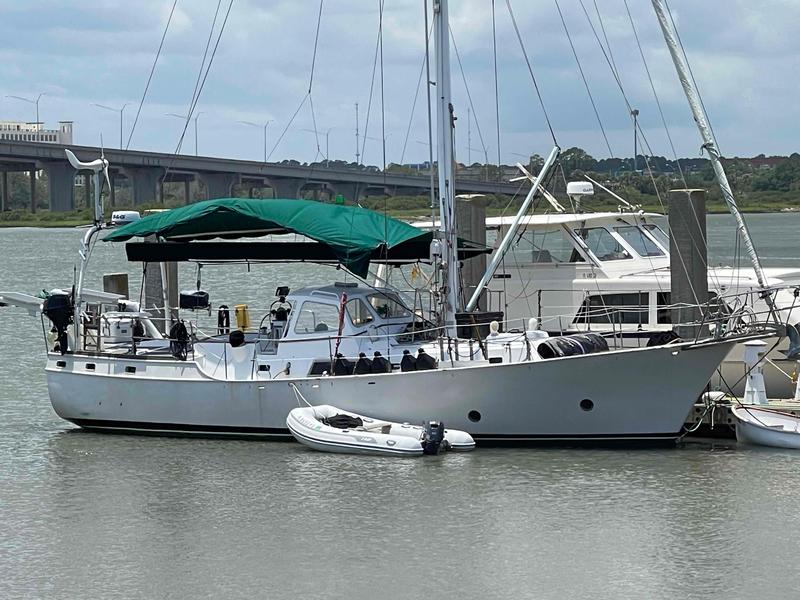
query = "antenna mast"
x=357 y=154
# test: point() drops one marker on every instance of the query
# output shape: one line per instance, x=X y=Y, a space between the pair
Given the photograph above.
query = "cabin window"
x=388 y=306
x=602 y=244
x=638 y=240
x=624 y=309
x=316 y=317
x=359 y=313
x=548 y=246
x=658 y=233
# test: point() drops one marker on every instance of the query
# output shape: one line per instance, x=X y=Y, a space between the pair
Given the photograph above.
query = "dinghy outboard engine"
x=59 y=309
x=434 y=437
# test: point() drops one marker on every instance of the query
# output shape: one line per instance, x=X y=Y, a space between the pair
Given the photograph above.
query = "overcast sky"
x=745 y=56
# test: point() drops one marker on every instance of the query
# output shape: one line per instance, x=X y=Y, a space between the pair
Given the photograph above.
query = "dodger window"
x=388 y=306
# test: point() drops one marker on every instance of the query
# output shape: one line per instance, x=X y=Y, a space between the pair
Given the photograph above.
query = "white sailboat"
x=504 y=388
x=762 y=426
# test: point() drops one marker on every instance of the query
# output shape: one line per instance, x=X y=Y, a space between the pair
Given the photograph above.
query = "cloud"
x=744 y=56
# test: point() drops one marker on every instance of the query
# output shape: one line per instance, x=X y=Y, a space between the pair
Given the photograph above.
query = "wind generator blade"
x=95 y=165
x=105 y=172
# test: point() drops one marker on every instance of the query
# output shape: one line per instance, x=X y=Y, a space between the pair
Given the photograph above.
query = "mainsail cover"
x=352 y=233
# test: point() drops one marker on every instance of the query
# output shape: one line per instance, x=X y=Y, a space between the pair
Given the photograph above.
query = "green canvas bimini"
x=352 y=233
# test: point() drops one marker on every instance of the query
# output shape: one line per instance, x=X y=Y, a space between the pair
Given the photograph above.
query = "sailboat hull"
x=621 y=395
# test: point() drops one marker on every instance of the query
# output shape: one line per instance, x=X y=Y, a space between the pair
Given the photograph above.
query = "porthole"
x=474 y=416
x=586 y=404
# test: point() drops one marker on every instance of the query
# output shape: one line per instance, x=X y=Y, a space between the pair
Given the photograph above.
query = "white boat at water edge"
x=762 y=426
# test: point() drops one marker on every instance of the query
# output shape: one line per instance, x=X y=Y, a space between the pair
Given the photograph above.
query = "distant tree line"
x=763 y=182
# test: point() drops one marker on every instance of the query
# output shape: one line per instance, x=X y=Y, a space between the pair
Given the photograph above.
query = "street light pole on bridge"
x=196 y=116
x=327 y=141
x=265 y=126
x=120 y=111
x=31 y=101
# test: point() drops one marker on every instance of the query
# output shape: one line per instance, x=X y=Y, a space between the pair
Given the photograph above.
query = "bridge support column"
x=145 y=182
x=61 y=179
x=33 y=189
x=286 y=187
x=219 y=185
x=4 y=198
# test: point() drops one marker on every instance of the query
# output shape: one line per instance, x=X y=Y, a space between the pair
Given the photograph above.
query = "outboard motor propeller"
x=434 y=438
x=59 y=309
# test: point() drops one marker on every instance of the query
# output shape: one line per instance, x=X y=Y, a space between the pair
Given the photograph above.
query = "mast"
x=709 y=144
x=444 y=152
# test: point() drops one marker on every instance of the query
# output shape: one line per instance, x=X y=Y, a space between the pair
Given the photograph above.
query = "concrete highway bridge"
x=146 y=173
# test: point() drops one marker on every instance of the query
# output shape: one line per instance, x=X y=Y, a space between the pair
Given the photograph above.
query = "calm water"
x=95 y=516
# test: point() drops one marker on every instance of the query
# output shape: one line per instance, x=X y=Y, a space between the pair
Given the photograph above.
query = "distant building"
x=35 y=132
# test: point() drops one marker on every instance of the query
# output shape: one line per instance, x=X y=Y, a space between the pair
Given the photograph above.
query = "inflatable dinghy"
x=329 y=429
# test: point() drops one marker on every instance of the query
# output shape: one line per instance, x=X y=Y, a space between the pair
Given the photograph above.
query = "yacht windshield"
x=387 y=306
x=602 y=244
x=656 y=231
x=638 y=240
x=544 y=246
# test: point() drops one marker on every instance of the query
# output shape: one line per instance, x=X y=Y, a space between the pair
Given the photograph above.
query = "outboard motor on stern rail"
x=59 y=309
